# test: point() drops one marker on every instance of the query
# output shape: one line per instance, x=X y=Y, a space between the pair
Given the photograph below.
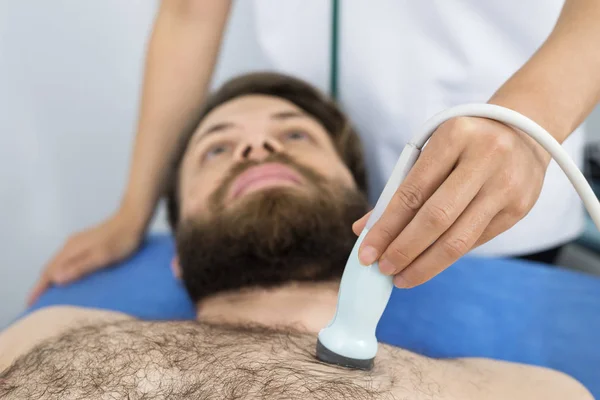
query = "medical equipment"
x=349 y=339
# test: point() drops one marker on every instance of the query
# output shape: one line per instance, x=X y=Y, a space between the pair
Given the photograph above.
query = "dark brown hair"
x=296 y=91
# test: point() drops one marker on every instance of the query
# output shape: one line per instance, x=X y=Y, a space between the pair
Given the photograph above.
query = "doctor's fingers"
x=432 y=168
x=66 y=270
x=453 y=244
x=46 y=278
x=437 y=215
x=75 y=251
x=359 y=225
x=76 y=268
x=501 y=223
x=42 y=284
x=497 y=207
x=62 y=270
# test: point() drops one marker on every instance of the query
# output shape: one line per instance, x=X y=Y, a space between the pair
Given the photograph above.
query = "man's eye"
x=295 y=135
x=216 y=151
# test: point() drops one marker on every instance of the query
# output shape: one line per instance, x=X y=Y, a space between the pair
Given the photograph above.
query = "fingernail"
x=386 y=267
x=367 y=255
x=400 y=282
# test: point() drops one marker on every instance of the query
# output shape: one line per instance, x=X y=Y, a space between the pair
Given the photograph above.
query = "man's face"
x=252 y=128
x=264 y=199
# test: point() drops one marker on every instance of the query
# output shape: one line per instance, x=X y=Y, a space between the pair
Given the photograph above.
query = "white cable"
x=508 y=117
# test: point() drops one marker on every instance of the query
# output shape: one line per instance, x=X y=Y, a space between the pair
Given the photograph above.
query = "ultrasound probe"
x=349 y=339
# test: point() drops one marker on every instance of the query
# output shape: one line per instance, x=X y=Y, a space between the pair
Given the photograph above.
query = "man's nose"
x=260 y=150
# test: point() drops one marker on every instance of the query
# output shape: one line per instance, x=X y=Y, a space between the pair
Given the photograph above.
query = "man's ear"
x=176 y=267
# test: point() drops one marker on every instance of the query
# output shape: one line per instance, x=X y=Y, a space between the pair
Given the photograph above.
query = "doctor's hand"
x=475 y=179
x=90 y=250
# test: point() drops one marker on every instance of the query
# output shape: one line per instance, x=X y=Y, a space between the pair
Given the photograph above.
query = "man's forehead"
x=244 y=107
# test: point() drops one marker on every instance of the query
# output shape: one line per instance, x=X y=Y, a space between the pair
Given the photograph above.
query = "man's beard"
x=270 y=237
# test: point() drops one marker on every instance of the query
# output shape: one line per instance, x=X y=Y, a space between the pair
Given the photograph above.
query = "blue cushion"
x=502 y=309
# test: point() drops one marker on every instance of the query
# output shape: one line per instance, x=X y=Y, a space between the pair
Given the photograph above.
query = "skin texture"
x=94 y=354
x=557 y=88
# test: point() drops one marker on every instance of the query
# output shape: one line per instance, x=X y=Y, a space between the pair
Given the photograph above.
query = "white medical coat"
x=401 y=61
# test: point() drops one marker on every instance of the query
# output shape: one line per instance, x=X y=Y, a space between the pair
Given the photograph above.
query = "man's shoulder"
x=45 y=323
x=56 y=318
x=558 y=385
x=513 y=380
x=71 y=312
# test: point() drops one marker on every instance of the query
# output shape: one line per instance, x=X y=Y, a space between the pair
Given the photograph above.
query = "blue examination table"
x=502 y=309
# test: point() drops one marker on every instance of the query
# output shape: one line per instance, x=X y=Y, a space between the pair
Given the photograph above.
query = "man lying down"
x=261 y=199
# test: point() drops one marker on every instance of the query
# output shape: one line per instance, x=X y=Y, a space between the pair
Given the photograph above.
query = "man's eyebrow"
x=221 y=126
x=282 y=115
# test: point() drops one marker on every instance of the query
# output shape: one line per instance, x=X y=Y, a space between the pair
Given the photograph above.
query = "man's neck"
x=306 y=306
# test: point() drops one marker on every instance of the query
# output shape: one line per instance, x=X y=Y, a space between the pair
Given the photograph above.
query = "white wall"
x=70 y=74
